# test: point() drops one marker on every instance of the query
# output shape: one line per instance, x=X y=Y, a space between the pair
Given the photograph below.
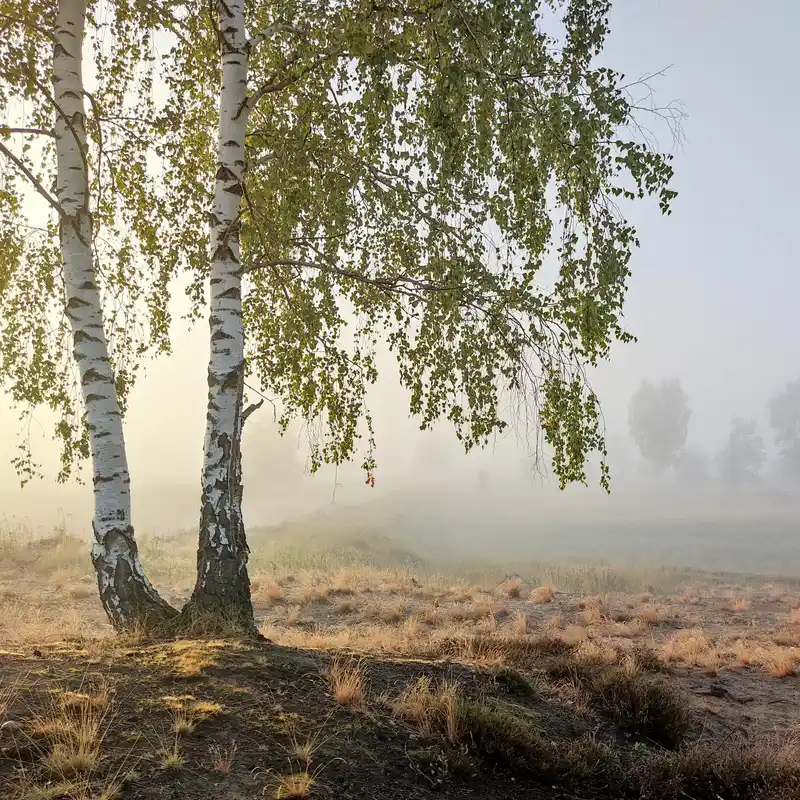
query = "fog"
x=712 y=300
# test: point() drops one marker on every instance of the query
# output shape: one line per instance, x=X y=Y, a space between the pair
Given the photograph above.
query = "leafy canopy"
x=414 y=169
x=439 y=178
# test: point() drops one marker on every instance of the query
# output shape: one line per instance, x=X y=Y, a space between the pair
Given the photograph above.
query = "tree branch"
x=5 y=130
x=33 y=179
x=249 y=410
x=388 y=283
x=261 y=36
x=276 y=86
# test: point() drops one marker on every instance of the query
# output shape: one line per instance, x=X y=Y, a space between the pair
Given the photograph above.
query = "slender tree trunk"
x=222 y=590
x=125 y=592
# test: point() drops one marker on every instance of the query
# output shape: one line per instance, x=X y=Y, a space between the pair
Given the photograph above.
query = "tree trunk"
x=126 y=594
x=222 y=592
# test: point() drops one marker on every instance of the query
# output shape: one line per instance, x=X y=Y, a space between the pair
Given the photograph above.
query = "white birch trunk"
x=223 y=586
x=125 y=592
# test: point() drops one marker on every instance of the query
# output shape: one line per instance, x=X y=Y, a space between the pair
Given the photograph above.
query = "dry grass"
x=171 y=756
x=222 y=758
x=74 y=725
x=431 y=708
x=740 y=603
x=347 y=681
x=296 y=784
x=780 y=662
x=541 y=595
x=794 y=616
x=691 y=646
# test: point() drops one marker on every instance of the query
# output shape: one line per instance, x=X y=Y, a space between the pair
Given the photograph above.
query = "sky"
x=712 y=300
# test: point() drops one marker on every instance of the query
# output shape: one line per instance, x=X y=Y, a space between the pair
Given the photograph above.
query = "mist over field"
x=712 y=301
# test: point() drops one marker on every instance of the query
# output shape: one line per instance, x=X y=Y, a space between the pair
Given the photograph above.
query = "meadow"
x=394 y=674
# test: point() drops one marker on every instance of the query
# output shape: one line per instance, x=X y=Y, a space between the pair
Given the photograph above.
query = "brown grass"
x=541 y=595
x=222 y=758
x=347 y=681
x=780 y=662
x=75 y=730
x=740 y=603
x=512 y=588
x=296 y=784
x=431 y=708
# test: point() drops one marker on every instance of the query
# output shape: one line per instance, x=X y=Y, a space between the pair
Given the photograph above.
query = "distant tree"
x=784 y=419
x=658 y=419
x=741 y=460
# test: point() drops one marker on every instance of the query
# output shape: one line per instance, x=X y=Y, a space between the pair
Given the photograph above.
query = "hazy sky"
x=714 y=293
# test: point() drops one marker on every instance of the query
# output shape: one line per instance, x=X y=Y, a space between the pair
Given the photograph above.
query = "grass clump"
x=638 y=703
x=347 y=681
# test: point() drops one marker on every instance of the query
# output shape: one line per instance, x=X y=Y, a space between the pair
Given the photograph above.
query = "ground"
x=389 y=677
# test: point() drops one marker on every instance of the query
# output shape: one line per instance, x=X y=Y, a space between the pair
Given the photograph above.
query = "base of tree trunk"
x=205 y=615
x=128 y=597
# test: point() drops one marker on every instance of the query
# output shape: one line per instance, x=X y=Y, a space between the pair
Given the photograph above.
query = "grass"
x=172 y=758
x=296 y=784
x=347 y=681
x=541 y=595
x=539 y=683
x=74 y=727
x=637 y=702
x=222 y=758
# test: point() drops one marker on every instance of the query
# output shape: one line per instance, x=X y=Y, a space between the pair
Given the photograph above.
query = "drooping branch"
x=393 y=283
x=20 y=165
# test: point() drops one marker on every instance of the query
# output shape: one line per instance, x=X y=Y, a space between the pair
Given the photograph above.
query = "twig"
x=34 y=180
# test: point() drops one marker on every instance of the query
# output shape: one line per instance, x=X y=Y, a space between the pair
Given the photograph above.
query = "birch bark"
x=222 y=589
x=127 y=596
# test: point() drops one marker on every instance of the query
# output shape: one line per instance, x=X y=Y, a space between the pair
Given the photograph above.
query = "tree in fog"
x=79 y=254
x=784 y=419
x=692 y=468
x=400 y=172
x=742 y=458
x=337 y=174
x=658 y=420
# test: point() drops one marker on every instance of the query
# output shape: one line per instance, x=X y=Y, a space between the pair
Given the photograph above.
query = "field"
x=391 y=675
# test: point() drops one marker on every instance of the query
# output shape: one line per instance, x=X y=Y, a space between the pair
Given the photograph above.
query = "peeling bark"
x=127 y=596
x=222 y=590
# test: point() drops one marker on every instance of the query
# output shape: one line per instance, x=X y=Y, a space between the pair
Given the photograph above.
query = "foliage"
x=414 y=171
x=658 y=418
x=132 y=266
x=741 y=459
x=784 y=419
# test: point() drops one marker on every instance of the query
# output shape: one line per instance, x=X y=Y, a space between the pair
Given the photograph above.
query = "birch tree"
x=404 y=173
x=67 y=280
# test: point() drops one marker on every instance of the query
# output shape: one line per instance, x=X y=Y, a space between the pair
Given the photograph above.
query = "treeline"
x=659 y=417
